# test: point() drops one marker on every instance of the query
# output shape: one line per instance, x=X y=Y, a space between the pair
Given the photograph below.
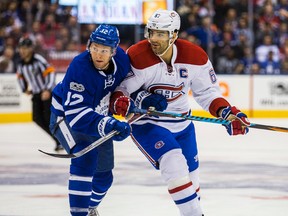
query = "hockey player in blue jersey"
x=80 y=115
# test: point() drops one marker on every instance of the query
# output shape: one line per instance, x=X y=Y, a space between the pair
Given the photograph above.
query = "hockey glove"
x=108 y=124
x=144 y=100
x=121 y=104
x=239 y=120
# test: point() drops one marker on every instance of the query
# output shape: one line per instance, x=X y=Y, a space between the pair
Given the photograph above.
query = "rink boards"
x=260 y=96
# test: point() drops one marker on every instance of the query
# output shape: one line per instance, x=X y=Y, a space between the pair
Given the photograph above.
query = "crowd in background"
x=223 y=29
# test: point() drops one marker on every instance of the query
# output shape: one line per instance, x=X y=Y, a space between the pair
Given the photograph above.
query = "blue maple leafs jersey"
x=84 y=94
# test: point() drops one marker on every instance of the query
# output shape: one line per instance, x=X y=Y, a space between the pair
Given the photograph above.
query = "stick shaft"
x=208 y=120
x=103 y=139
x=92 y=145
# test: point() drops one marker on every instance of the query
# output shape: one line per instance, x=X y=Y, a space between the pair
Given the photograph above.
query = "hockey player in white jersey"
x=80 y=115
x=164 y=69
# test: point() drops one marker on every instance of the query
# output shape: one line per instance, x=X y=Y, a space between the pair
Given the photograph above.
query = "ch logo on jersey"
x=171 y=92
x=109 y=81
x=130 y=74
x=159 y=144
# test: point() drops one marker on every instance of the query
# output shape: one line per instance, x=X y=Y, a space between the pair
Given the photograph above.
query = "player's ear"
x=174 y=37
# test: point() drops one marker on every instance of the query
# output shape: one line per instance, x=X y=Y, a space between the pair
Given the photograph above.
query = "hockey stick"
x=204 y=119
x=92 y=145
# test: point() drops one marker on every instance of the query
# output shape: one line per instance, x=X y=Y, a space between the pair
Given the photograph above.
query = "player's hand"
x=109 y=124
x=144 y=100
x=45 y=95
x=28 y=92
x=121 y=105
x=239 y=120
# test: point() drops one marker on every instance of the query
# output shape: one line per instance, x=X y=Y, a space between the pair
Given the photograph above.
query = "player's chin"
x=156 y=51
x=99 y=64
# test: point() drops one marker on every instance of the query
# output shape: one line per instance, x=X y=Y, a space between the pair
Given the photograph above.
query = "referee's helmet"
x=26 y=41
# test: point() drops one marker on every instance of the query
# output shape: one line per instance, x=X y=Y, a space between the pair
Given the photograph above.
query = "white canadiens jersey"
x=190 y=69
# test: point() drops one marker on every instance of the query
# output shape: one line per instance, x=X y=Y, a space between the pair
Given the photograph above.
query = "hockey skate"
x=93 y=212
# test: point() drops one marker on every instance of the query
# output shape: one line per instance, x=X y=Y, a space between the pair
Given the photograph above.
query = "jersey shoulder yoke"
x=141 y=55
x=189 y=53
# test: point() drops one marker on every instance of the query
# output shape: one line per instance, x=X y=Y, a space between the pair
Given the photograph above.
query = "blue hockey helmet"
x=106 y=35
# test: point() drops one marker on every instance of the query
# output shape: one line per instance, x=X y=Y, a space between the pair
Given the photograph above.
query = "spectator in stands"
x=282 y=10
x=242 y=29
x=225 y=45
x=284 y=51
x=7 y=61
x=268 y=30
x=50 y=27
x=229 y=64
x=241 y=7
x=221 y=8
x=284 y=67
x=64 y=35
x=2 y=39
x=255 y=68
x=270 y=66
x=248 y=59
x=268 y=16
x=263 y=50
x=282 y=34
x=189 y=14
x=231 y=18
x=73 y=28
x=202 y=32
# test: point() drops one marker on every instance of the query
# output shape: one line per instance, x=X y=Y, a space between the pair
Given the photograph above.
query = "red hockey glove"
x=121 y=104
x=239 y=120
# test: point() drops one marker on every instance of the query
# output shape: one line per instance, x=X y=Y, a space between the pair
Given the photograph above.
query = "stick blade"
x=58 y=155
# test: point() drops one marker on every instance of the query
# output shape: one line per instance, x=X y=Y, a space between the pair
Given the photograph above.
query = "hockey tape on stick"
x=92 y=145
x=153 y=112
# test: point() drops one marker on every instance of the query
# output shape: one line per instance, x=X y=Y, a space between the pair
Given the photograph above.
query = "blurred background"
x=240 y=36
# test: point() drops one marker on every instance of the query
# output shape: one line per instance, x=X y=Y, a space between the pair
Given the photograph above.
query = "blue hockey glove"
x=108 y=124
x=144 y=100
x=239 y=120
x=121 y=104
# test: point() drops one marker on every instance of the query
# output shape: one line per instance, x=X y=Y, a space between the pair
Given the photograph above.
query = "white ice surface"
x=240 y=176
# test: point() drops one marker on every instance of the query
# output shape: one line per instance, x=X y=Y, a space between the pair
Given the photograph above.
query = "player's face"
x=159 y=41
x=101 y=55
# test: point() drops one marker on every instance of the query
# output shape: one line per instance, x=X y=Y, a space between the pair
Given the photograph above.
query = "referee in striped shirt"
x=36 y=77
